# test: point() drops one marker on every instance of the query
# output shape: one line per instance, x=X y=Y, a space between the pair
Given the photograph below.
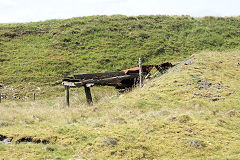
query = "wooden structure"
x=120 y=79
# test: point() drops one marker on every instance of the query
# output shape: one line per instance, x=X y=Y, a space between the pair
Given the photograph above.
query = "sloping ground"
x=34 y=55
x=191 y=112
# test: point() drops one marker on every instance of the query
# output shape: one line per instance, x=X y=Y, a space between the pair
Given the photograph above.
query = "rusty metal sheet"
x=146 y=68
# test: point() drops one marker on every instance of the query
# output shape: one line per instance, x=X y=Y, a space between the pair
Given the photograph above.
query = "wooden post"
x=34 y=96
x=140 y=73
x=134 y=82
x=67 y=95
x=88 y=95
x=0 y=97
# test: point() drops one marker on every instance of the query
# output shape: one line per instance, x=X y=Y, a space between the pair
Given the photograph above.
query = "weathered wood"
x=140 y=73
x=121 y=79
x=70 y=84
x=103 y=81
x=67 y=78
x=135 y=82
x=0 y=97
x=67 y=95
x=70 y=79
x=89 y=84
x=99 y=75
x=88 y=95
x=34 y=96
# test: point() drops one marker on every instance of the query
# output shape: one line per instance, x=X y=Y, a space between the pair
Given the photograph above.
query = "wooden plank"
x=67 y=78
x=70 y=84
x=104 y=81
x=89 y=84
x=71 y=80
x=99 y=75
x=88 y=95
x=67 y=95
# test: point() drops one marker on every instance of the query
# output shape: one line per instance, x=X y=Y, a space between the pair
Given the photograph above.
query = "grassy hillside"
x=39 y=54
x=191 y=112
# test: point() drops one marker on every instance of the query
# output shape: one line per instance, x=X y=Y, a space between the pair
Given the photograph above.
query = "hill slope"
x=191 y=112
x=39 y=54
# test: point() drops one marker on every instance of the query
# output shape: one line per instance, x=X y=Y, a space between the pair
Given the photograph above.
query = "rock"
x=208 y=142
x=184 y=118
x=109 y=141
x=2 y=137
x=196 y=143
x=6 y=141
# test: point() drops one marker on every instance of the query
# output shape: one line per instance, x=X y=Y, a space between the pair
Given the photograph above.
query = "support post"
x=88 y=95
x=34 y=96
x=134 y=82
x=67 y=95
x=140 y=73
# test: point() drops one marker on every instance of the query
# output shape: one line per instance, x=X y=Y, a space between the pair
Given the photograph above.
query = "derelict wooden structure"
x=120 y=79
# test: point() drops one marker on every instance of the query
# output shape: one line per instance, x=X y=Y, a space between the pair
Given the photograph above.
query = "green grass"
x=39 y=54
x=197 y=101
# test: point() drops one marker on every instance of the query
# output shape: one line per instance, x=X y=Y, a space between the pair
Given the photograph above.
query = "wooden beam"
x=103 y=81
x=89 y=84
x=70 y=84
x=88 y=95
x=67 y=78
x=99 y=75
x=67 y=95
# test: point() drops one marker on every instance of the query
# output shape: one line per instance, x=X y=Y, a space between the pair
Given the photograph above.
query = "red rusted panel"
x=146 y=68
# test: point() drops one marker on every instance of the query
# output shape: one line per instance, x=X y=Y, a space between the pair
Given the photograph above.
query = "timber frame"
x=120 y=79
